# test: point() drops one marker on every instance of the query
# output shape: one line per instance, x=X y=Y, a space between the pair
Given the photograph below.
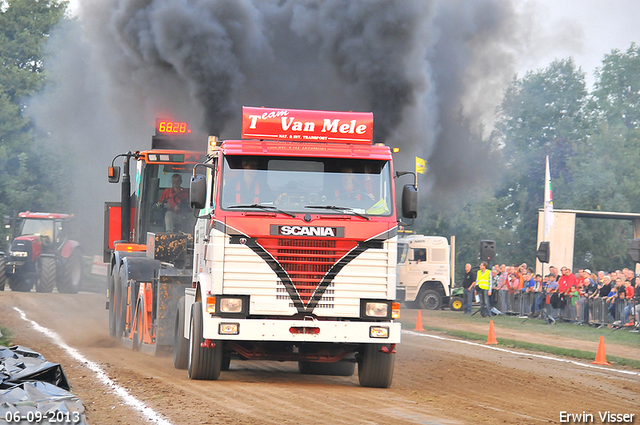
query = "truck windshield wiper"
x=334 y=207
x=264 y=207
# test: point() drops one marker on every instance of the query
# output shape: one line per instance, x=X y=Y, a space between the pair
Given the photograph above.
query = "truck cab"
x=424 y=272
x=295 y=249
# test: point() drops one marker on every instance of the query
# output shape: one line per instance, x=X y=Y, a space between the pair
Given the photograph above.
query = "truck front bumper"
x=302 y=331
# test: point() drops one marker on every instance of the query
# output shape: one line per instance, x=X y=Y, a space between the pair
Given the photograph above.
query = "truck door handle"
x=425 y=272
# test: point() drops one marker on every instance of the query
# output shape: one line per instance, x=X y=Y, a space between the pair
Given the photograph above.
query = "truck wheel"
x=3 y=276
x=204 y=363
x=71 y=274
x=112 y=301
x=120 y=303
x=429 y=300
x=375 y=368
x=180 y=343
x=47 y=278
x=340 y=368
x=138 y=335
x=456 y=304
x=20 y=285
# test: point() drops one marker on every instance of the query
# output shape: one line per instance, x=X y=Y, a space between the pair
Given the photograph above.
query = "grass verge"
x=6 y=337
x=560 y=329
x=558 y=351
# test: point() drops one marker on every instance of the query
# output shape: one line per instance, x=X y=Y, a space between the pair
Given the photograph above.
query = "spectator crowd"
x=600 y=298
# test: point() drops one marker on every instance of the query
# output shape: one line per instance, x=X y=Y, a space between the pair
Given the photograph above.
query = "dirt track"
x=436 y=381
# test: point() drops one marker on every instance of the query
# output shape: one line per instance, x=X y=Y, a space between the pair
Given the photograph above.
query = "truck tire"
x=113 y=277
x=47 y=278
x=71 y=274
x=456 y=304
x=180 y=343
x=120 y=303
x=3 y=276
x=204 y=363
x=138 y=320
x=340 y=368
x=428 y=299
x=375 y=368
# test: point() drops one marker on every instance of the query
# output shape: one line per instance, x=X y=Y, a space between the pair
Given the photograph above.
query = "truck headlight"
x=231 y=305
x=228 y=328
x=379 y=332
x=376 y=309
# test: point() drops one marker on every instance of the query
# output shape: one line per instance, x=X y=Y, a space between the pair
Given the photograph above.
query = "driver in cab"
x=175 y=199
x=352 y=189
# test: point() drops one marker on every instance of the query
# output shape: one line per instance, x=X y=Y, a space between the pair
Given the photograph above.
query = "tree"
x=27 y=180
x=541 y=114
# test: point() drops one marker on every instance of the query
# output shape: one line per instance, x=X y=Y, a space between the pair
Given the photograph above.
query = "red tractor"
x=43 y=255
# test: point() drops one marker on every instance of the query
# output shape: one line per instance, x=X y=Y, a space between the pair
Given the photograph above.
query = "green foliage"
x=593 y=142
x=5 y=340
x=31 y=176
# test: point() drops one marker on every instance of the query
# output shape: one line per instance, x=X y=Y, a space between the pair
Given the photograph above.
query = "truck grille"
x=306 y=261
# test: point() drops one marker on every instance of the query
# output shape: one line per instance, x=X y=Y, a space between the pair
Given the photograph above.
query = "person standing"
x=566 y=281
x=483 y=286
x=467 y=294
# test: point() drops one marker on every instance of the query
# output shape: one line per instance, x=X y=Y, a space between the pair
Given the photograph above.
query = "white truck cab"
x=424 y=271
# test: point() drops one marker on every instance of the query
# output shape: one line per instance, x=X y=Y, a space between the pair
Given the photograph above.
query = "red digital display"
x=171 y=127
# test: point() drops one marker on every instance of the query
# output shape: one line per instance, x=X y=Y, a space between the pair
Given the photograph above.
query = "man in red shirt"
x=175 y=199
x=567 y=280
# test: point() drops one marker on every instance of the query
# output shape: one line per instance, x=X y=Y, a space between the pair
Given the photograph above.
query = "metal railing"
x=595 y=311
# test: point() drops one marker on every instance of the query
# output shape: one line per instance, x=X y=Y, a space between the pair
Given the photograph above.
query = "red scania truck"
x=295 y=249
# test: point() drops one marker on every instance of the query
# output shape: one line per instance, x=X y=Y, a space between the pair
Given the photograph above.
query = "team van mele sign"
x=307 y=126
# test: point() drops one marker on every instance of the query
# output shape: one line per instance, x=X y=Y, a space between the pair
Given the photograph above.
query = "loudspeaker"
x=634 y=251
x=487 y=250
x=543 y=253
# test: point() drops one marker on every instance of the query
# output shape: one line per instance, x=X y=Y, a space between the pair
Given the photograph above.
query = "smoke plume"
x=432 y=73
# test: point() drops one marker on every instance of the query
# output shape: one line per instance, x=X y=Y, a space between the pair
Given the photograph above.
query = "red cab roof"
x=45 y=216
x=323 y=150
x=298 y=125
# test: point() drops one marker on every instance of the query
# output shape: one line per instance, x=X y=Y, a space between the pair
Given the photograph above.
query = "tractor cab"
x=50 y=228
x=42 y=255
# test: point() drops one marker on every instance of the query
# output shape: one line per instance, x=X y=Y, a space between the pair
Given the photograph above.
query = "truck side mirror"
x=114 y=174
x=198 y=192
x=409 y=201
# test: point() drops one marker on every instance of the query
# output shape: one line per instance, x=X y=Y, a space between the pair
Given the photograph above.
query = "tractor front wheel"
x=47 y=278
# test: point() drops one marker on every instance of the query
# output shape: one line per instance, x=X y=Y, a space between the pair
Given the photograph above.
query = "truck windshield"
x=308 y=185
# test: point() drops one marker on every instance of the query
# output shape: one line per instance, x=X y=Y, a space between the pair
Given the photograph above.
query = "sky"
x=583 y=29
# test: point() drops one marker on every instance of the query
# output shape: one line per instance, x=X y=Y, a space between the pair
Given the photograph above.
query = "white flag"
x=548 y=201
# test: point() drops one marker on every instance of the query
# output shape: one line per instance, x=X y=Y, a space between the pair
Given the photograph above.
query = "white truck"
x=295 y=249
x=424 y=272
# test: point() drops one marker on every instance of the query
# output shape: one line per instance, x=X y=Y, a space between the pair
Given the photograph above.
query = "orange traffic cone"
x=492 y=335
x=601 y=357
x=419 y=322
